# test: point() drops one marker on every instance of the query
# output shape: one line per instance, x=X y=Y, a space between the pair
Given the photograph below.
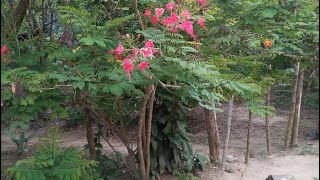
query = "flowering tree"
x=143 y=65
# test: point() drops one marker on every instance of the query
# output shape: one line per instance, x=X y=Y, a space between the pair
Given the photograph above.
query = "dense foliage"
x=125 y=63
x=51 y=161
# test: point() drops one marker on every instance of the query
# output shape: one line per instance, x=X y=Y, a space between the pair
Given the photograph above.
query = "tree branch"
x=20 y=12
x=139 y=15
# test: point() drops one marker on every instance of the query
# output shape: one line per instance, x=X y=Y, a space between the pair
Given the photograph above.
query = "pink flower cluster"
x=146 y=52
x=175 y=22
x=4 y=50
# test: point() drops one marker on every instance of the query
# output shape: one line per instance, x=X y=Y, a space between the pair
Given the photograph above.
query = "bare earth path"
x=302 y=162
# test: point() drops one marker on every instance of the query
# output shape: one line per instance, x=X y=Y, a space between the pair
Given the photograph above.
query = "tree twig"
x=139 y=15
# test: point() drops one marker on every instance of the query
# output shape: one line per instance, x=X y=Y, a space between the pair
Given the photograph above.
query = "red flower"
x=135 y=53
x=176 y=28
x=119 y=49
x=112 y=51
x=146 y=52
x=186 y=14
x=201 y=22
x=173 y=18
x=128 y=67
x=118 y=56
x=149 y=44
x=170 y=6
x=166 y=21
x=143 y=65
x=155 y=19
x=4 y=50
x=188 y=27
x=202 y=2
x=159 y=11
x=147 y=13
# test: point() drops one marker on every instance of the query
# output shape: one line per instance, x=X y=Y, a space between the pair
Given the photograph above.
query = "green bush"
x=171 y=148
x=51 y=161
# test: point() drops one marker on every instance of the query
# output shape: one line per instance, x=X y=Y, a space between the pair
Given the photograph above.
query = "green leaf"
x=78 y=84
x=154 y=145
x=87 y=41
x=100 y=43
x=162 y=163
x=116 y=90
x=269 y=12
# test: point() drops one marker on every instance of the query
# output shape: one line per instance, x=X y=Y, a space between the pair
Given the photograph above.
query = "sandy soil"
x=302 y=162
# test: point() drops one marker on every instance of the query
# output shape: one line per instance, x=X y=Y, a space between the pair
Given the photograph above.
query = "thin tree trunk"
x=143 y=136
x=268 y=127
x=225 y=150
x=295 y=8
x=141 y=122
x=148 y=130
x=268 y=123
x=296 y=121
x=293 y=109
x=51 y=24
x=90 y=137
x=216 y=137
x=310 y=83
x=20 y=12
x=139 y=15
x=248 y=138
x=213 y=139
x=104 y=117
x=44 y=13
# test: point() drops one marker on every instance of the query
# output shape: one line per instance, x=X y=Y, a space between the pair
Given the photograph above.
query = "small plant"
x=51 y=161
x=171 y=148
x=21 y=141
x=184 y=175
x=76 y=116
x=107 y=167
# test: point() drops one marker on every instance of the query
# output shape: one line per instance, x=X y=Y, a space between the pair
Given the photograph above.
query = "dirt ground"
x=302 y=162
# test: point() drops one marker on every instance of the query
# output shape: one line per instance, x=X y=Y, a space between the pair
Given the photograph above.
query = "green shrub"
x=51 y=161
x=171 y=148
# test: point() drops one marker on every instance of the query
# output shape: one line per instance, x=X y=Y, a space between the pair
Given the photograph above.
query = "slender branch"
x=20 y=12
x=168 y=85
x=148 y=130
x=139 y=15
x=141 y=122
x=109 y=144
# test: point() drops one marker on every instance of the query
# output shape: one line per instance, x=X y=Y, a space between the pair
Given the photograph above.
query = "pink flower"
x=173 y=18
x=135 y=53
x=118 y=57
x=143 y=65
x=159 y=11
x=170 y=5
x=155 y=19
x=200 y=22
x=119 y=49
x=188 y=27
x=186 y=14
x=147 y=13
x=128 y=67
x=112 y=51
x=176 y=28
x=166 y=21
x=146 y=52
x=149 y=44
x=4 y=50
x=202 y=2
